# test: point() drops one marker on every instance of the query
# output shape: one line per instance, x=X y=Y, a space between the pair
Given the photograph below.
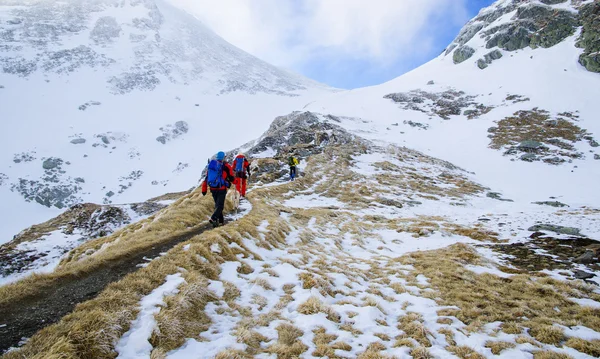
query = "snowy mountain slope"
x=450 y=110
x=376 y=251
x=119 y=101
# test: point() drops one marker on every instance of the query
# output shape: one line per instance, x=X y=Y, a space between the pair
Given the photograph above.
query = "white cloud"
x=291 y=33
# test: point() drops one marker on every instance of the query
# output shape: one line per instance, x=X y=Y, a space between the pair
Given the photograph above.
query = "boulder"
x=78 y=141
x=462 y=54
x=552 y=203
x=588 y=257
x=579 y=274
x=481 y=64
x=530 y=146
x=529 y=157
x=555 y=228
x=52 y=163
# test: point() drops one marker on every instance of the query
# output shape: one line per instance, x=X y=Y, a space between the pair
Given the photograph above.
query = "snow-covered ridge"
x=136 y=44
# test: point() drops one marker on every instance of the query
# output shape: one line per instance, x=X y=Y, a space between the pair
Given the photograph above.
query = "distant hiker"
x=293 y=162
x=218 y=177
x=241 y=167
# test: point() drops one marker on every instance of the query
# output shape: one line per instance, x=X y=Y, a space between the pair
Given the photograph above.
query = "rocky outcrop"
x=535 y=135
x=171 y=132
x=301 y=133
x=590 y=36
x=489 y=58
x=531 y=24
x=443 y=104
x=462 y=54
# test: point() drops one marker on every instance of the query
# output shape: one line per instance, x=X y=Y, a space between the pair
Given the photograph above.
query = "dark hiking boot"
x=213 y=223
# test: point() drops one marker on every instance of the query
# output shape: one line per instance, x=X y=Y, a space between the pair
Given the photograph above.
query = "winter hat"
x=220 y=156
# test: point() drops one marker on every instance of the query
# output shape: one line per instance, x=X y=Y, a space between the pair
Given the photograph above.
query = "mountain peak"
x=137 y=44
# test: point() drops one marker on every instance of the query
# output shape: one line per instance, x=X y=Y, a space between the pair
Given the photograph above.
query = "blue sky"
x=343 y=43
x=351 y=73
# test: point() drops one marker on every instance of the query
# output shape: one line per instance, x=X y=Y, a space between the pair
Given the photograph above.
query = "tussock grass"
x=548 y=354
x=421 y=353
x=288 y=344
x=464 y=352
x=520 y=302
x=412 y=326
x=314 y=305
x=591 y=347
x=449 y=334
x=183 y=316
x=497 y=346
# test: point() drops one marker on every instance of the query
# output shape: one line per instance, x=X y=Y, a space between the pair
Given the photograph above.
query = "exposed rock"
x=462 y=54
x=596 y=156
x=24 y=157
x=442 y=104
x=49 y=194
x=586 y=258
x=529 y=157
x=78 y=141
x=413 y=203
x=416 y=124
x=579 y=274
x=106 y=29
x=147 y=208
x=553 y=2
x=481 y=64
x=555 y=228
x=551 y=203
x=302 y=133
x=589 y=40
x=3 y=179
x=498 y=196
x=110 y=194
x=171 y=132
x=530 y=146
x=52 y=163
x=536 y=132
x=430 y=82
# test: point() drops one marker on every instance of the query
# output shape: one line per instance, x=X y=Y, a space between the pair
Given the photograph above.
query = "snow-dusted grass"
x=369 y=279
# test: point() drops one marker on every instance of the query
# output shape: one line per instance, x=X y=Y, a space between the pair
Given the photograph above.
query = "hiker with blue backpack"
x=241 y=167
x=219 y=177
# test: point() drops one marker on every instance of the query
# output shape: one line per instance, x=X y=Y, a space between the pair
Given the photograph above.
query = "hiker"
x=293 y=162
x=218 y=177
x=241 y=168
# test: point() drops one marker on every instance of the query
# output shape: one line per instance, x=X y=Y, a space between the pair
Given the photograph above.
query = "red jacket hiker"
x=228 y=176
x=241 y=176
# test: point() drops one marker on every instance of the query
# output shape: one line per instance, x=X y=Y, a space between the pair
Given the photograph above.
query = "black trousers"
x=219 y=197
x=292 y=172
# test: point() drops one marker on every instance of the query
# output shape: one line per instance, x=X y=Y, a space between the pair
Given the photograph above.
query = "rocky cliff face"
x=512 y=25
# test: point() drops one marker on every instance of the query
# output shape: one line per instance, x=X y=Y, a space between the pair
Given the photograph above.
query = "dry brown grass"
x=464 y=352
x=591 y=347
x=288 y=344
x=548 y=354
x=518 y=301
x=534 y=125
x=421 y=353
x=497 y=346
x=449 y=334
x=412 y=326
x=314 y=305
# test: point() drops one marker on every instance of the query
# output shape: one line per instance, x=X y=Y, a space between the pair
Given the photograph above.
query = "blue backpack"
x=239 y=165
x=215 y=174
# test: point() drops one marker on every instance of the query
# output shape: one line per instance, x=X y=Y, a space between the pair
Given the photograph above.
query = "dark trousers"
x=292 y=172
x=219 y=197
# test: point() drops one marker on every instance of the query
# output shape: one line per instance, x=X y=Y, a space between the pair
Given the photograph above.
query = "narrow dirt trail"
x=23 y=319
